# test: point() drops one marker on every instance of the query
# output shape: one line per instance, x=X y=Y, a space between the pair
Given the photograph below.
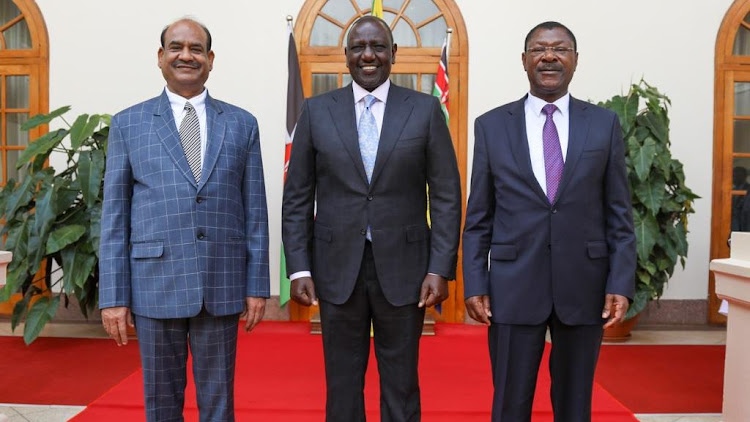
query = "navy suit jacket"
x=171 y=245
x=565 y=255
x=326 y=168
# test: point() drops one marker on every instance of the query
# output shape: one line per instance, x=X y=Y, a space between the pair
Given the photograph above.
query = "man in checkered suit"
x=184 y=244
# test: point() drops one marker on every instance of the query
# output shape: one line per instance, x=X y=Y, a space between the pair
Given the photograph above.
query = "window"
x=419 y=28
x=731 y=169
x=23 y=78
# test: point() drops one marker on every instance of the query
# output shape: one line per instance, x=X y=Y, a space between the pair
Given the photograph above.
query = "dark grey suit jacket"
x=568 y=254
x=415 y=149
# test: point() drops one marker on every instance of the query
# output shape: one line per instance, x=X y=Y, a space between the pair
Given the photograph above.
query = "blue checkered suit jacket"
x=169 y=244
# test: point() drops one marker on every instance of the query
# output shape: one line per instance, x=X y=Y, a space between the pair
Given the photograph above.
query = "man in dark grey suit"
x=550 y=207
x=184 y=245
x=364 y=154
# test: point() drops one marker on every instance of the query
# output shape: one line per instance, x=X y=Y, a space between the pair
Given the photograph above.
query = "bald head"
x=208 y=34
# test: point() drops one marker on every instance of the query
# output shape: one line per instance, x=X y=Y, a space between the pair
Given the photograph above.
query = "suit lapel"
x=216 y=127
x=169 y=136
x=397 y=111
x=519 y=145
x=344 y=119
x=579 y=129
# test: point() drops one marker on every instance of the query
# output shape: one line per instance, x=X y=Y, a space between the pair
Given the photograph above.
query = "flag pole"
x=448 y=36
x=294 y=99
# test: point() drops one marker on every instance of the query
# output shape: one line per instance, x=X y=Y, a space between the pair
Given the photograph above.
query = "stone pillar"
x=733 y=284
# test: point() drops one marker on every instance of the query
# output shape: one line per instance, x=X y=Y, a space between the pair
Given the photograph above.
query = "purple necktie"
x=553 y=159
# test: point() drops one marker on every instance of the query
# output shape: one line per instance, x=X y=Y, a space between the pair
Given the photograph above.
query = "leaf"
x=19 y=198
x=19 y=310
x=77 y=130
x=91 y=172
x=77 y=267
x=651 y=193
x=66 y=196
x=101 y=137
x=15 y=279
x=45 y=210
x=646 y=232
x=41 y=146
x=650 y=267
x=95 y=227
x=41 y=119
x=640 y=300
x=657 y=124
x=625 y=108
x=678 y=234
x=40 y=313
x=79 y=134
x=17 y=239
x=36 y=253
x=63 y=237
x=678 y=171
x=643 y=157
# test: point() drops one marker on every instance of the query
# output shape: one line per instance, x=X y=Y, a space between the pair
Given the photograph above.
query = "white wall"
x=103 y=59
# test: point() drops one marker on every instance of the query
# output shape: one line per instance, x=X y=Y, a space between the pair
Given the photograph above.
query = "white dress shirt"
x=378 y=111
x=377 y=108
x=177 y=103
x=535 y=119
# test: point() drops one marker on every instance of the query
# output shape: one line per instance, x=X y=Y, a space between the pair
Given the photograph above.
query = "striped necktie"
x=190 y=138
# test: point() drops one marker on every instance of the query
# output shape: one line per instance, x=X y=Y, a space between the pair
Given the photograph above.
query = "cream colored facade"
x=103 y=59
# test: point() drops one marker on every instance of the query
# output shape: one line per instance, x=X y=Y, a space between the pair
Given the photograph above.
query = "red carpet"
x=42 y=372
x=664 y=379
x=280 y=378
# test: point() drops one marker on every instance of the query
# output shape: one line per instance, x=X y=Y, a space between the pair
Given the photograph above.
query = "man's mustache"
x=550 y=67
x=190 y=64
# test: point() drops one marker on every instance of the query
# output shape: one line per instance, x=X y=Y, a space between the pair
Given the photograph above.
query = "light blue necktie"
x=368 y=137
x=368 y=142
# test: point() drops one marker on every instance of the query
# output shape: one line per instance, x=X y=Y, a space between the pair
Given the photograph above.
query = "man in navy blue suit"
x=550 y=208
x=184 y=245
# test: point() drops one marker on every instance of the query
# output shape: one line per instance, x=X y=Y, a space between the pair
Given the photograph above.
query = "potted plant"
x=52 y=221
x=661 y=200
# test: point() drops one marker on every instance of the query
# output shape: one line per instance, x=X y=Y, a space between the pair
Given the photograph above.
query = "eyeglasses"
x=557 y=51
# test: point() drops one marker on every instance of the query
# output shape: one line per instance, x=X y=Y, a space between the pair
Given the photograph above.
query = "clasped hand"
x=434 y=290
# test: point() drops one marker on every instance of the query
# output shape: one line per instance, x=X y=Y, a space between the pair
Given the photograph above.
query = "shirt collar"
x=177 y=102
x=536 y=104
x=381 y=92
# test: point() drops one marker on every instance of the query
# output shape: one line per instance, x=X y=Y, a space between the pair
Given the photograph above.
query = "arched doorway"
x=419 y=29
x=731 y=166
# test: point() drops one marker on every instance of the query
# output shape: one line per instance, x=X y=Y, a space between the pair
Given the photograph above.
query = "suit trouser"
x=346 y=348
x=515 y=354
x=164 y=349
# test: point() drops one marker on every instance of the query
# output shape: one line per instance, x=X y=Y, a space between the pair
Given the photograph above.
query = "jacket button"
x=201 y=236
x=363 y=232
x=554 y=210
x=369 y=197
x=199 y=199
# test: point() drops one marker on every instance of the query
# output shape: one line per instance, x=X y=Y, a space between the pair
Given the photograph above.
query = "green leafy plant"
x=52 y=217
x=661 y=201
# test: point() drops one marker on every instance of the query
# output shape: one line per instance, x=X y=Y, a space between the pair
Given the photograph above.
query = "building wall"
x=103 y=59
